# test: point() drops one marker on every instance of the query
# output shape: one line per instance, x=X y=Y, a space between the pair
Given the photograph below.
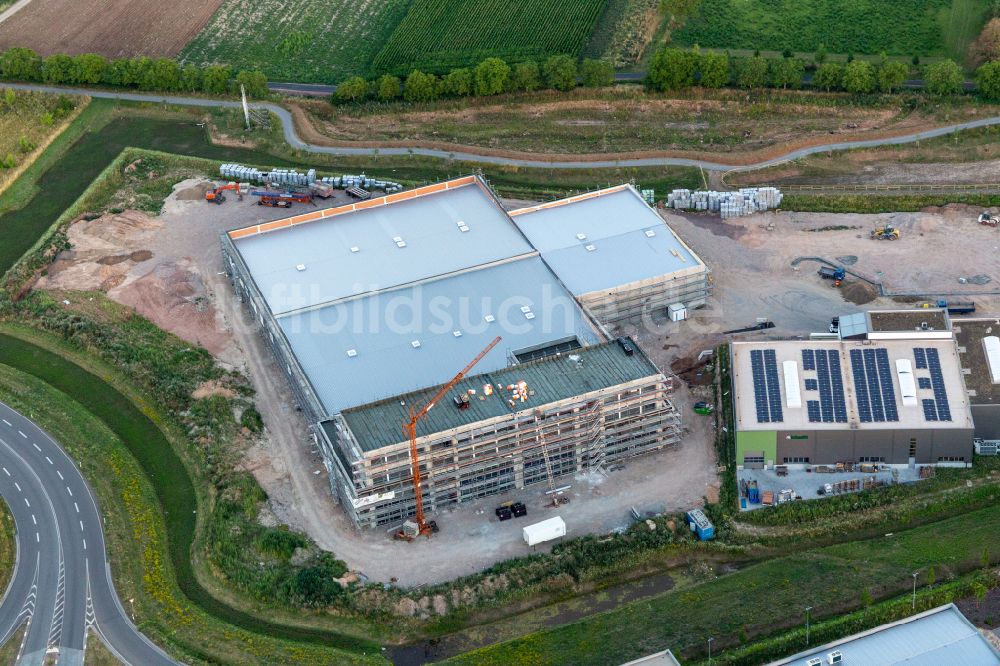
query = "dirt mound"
x=858 y=292
x=210 y=388
x=111 y=231
x=195 y=192
x=174 y=297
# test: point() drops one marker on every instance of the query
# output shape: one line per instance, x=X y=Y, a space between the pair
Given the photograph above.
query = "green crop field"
x=437 y=35
x=311 y=41
x=897 y=27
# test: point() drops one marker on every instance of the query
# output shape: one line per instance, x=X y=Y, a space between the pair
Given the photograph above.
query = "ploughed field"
x=112 y=28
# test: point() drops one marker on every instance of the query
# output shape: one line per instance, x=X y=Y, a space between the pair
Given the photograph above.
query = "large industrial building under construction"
x=370 y=307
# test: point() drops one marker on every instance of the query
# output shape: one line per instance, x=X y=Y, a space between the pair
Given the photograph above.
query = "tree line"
x=140 y=73
x=492 y=76
x=674 y=69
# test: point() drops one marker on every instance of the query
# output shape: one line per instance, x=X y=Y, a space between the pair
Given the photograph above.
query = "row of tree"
x=490 y=77
x=674 y=69
x=142 y=73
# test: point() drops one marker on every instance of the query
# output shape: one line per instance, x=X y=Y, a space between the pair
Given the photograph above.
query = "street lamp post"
x=914 y=605
x=710 y=650
x=808 y=608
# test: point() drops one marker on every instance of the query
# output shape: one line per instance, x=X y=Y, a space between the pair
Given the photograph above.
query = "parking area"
x=805 y=483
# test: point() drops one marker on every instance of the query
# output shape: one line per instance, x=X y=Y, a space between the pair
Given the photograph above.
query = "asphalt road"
x=293 y=139
x=61 y=585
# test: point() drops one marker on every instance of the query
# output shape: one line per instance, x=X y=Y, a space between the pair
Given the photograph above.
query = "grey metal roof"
x=854 y=325
x=435 y=246
x=381 y=329
x=552 y=379
x=615 y=224
x=933 y=638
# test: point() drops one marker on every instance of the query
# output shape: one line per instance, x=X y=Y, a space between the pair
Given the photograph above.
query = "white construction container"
x=678 y=311
x=547 y=530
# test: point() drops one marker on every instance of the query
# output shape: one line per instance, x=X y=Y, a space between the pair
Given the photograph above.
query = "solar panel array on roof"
x=924 y=382
x=939 y=408
x=812 y=385
x=920 y=357
x=874 y=392
x=808 y=360
x=832 y=405
x=766 y=390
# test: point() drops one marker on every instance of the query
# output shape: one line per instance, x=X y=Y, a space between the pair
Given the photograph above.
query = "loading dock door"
x=753 y=460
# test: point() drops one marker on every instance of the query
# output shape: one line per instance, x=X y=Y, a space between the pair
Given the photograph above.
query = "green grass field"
x=897 y=27
x=759 y=599
x=297 y=40
x=438 y=35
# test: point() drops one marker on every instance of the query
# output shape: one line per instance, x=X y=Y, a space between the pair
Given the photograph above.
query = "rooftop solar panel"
x=812 y=385
x=875 y=392
x=766 y=389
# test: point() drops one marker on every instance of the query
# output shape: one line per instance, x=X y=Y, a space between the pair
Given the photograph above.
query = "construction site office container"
x=700 y=524
x=547 y=530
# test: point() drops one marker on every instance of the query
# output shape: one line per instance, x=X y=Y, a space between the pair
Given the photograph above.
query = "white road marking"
x=60 y=475
x=27 y=502
x=85 y=544
x=49 y=459
x=81 y=525
x=22 y=434
x=69 y=491
x=37 y=448
x=5 y=471
x=6 y=421
x=37 y=538
x=33 y=521
x=18 y=486
x=76 y=506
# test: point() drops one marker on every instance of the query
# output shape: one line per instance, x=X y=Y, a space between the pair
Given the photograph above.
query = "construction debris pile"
x=746 y=201
x=292 y=177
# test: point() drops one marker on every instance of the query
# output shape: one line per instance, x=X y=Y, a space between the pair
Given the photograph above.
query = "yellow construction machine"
x=887 y=232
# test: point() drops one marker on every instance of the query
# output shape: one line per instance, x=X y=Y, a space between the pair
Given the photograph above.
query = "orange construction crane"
x=410 y=428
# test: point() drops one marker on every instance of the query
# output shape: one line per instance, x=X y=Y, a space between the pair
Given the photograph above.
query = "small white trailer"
x=553 y=528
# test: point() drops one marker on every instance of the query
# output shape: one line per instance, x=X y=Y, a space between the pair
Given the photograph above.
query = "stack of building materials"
x=744 y=202
x=291 y=177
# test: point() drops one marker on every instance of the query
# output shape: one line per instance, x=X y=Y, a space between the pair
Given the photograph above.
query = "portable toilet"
x=700 y=524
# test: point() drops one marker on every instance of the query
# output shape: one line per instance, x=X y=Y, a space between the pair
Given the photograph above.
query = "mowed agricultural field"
x=897 y=27
x=113 y=28
x=438 y=35
x=313 y=41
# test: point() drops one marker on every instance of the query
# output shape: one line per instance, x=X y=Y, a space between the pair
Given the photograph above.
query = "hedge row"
x=490 y=77
x=141 y=73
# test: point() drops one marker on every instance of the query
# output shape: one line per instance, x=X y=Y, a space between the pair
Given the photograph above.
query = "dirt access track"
x=112 y=28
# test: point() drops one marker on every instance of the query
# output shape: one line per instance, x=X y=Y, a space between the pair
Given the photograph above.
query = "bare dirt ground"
x=751 y=259
x=112 y=28
x=170 y=269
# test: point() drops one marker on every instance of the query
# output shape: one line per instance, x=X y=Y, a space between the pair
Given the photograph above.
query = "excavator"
x=217 y=196
x=888 y=232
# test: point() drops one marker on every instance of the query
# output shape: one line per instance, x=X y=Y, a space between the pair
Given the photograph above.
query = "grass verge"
x=128 y=430
x=757 y=599
x=9 y=650
x=98 y=654
x=861 y=203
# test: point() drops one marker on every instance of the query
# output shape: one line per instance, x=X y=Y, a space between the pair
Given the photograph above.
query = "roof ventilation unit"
x=355 y=248
x=581 y=237
x=415 y=344
x=490 y=319
x=529 y=315
x=835 y=657
x=815 y=661
x=463 y=228
x=457 y=334
x=650 y=233
x=352 y=352
x=300 y=267
x=591 y=248
x=525 y=309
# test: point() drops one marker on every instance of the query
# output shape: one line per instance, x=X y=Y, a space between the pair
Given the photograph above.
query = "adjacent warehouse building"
x=933 y=638
x=979 y=351
x=898 y=401
x=369 y=307
x=615 y=254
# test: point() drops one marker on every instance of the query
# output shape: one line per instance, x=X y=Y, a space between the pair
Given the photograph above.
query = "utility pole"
x=711 y=638
x=808 y=608
x=914 y=606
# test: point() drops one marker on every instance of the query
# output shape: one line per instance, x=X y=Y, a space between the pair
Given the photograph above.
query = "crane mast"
x=410 y=428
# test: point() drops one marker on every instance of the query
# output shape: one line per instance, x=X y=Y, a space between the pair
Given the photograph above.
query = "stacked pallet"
x=292 y=177
x=741 y=203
